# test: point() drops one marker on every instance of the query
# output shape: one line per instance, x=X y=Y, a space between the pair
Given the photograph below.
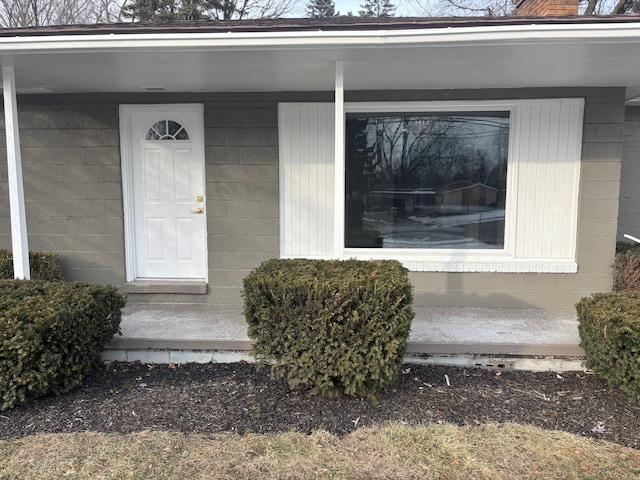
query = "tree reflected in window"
x=426 y=180
x=166 y=130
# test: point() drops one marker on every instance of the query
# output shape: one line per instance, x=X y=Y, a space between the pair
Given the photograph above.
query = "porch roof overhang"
x=300 y=55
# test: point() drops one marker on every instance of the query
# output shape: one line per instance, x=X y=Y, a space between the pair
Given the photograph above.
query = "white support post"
x=14 y=172
x=339 y=201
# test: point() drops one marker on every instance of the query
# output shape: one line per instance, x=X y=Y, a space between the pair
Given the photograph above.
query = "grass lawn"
x=395 y=452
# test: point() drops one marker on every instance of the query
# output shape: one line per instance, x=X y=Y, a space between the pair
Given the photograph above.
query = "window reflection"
x=166 y=130
x=426 y=180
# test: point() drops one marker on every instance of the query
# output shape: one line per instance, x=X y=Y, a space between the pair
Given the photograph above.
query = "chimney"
x=544 y=8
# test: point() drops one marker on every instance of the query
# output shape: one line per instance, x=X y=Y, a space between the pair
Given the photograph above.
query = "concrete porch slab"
x=434 y=331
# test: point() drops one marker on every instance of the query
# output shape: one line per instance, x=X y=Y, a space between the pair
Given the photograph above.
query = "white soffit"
x=463 y=57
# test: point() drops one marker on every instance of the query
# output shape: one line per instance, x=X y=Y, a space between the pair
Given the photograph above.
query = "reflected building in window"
x=426 y=180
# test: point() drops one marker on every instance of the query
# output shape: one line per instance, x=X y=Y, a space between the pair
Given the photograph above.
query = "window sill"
x=498 y=263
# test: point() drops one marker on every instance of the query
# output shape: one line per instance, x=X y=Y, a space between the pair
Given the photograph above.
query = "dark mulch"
x=241 y=398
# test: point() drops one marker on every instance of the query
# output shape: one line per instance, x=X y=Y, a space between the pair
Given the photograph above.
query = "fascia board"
x=452 y=36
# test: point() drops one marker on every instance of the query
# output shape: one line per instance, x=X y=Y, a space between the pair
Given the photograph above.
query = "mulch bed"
x=241 y=398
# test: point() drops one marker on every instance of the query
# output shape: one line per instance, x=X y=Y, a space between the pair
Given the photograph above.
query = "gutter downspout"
x=14 y=173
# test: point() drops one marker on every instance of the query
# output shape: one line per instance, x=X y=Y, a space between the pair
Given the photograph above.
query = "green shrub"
x=341 y=327
x=50 y=333
x=42 y=265
x=609 y=327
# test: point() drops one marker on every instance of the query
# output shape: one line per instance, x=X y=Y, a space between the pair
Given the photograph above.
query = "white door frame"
x=128 y=181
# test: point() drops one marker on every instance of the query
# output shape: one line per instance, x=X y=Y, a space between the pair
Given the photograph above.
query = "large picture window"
x=452 y=186
x=426 y=179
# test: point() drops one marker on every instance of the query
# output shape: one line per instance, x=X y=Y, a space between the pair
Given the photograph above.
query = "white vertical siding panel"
x=511 y=194
x=307 y=171
x=299 y=163
x=303 y=164
x=517 y=167
x=291 y=220
x=547 y=155
x=300 y=179
x=546 y=180
x=329 y=183
x=310 y=198
x=540 y=214
x=285 y=136
x=556 y=202
x=562 y=192
x=529 y=175
x=326 y=183
x=574 y=159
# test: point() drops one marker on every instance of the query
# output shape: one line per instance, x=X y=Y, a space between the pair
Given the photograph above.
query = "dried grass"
x=627 y=273
x=421 y=452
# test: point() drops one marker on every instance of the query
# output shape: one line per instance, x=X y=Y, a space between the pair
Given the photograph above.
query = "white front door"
x=165 y=208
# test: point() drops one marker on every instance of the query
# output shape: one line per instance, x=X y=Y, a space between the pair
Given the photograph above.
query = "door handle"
x=198 y=210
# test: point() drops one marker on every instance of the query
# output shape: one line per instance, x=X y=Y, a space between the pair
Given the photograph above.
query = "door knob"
x=198 y=210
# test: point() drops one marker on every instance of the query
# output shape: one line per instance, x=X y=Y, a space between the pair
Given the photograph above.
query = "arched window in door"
x=167 y=130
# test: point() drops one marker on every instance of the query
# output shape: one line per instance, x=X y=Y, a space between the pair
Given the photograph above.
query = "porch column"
x=14 y=174
x=338 y=226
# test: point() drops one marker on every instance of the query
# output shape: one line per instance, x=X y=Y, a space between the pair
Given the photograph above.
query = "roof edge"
x=341 y=23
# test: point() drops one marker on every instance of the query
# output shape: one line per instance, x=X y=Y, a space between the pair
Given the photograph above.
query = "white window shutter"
x=546 y=144
x=306 y=143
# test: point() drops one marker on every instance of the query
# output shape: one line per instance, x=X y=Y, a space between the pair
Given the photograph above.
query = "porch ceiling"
x=455 y=58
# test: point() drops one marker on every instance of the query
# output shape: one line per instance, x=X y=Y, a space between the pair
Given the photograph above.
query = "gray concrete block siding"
x=629 y=220
x=71 y=159
x=68 y=155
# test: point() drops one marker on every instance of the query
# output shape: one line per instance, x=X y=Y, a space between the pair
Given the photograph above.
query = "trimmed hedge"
x=341 y=327
x=42 y=265
x=50 y=333
x=609 y=327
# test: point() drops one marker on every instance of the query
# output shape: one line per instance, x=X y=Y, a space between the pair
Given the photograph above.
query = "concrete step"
x=490 y=337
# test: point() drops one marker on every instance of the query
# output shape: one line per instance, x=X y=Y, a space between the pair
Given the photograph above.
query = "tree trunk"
x=621 y=7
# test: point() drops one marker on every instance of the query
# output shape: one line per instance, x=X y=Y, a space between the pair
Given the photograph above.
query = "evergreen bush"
x=340 y=327
x=50 y=333
x=609 y=327
x=42 y=265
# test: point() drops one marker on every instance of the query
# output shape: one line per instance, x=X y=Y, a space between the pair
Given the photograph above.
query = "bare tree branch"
x=507 y=7
x=30 y=13
x=623 y=6
x=471 y=7
x=591 y=7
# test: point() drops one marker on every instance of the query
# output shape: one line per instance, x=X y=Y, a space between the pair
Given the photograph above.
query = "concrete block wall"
x=629 y=218
x=73 y=190
x=72 y=186
x=74 y=206
x=242 y=190
x=599 y=191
